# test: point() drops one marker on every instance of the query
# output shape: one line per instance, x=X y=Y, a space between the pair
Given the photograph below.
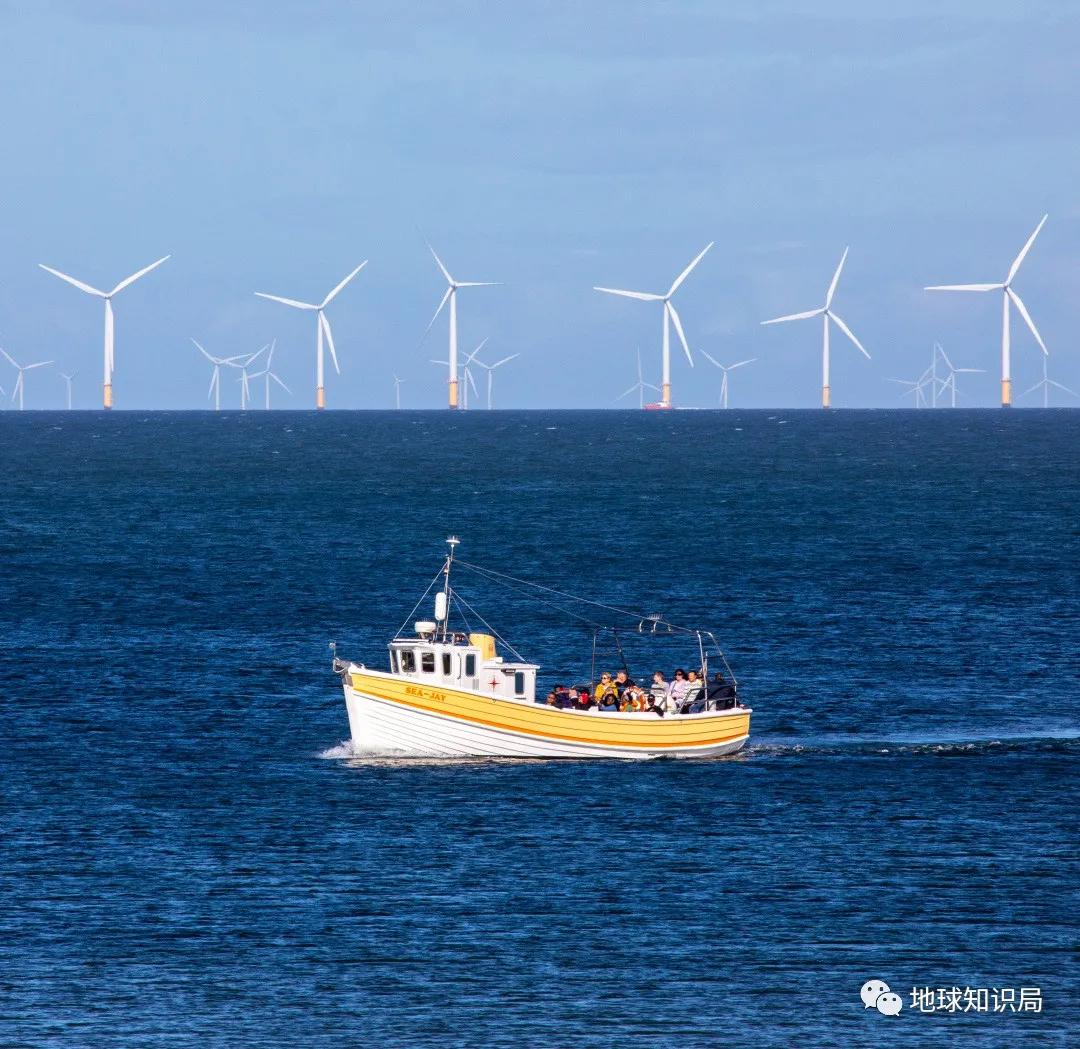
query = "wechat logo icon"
x=876 y=995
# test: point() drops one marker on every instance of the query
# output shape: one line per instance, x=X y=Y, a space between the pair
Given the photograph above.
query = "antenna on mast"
x=442 y=600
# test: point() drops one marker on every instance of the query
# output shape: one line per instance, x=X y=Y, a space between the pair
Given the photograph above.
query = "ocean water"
x=193 y=857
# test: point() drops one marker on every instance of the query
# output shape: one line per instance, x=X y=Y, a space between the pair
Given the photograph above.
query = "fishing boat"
x=455 y=691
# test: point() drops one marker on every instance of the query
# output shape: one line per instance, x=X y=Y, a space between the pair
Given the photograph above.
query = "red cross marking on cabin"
x=494 y=683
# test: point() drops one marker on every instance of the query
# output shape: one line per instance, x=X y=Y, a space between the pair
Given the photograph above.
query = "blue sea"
x=193 y=857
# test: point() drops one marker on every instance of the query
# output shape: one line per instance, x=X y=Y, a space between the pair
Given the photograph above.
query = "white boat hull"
x=379 y=725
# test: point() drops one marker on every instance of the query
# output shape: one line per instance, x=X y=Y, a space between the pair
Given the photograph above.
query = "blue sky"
x=272 y=146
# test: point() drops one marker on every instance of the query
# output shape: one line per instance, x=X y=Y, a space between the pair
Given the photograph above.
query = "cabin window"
x=446 y=664
x=427 y=662
x=408 y=662
x=470 y=665
x=519 y=684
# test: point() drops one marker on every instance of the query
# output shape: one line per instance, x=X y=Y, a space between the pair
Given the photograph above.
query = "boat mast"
x=451 y=541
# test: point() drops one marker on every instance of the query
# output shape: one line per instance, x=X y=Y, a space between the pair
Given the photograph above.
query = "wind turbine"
x=22 y=370
x=950 y=382
x=322 y=328
x=1046 y=382
x=1007 y=296
x=107 y=397
x=215 y=379
x=826 y=314
x=917 y=387
x=245 y=389
x=671 y=316
x=641 y=385
x=491 y=373
x=725 y=369
x=451 y=296
x=269 y=375
x=397 y=392
x=67 y=379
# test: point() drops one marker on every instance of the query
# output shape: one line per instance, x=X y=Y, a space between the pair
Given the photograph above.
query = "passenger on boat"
x=622 y=682
x=563 y=699
x=677 y=691
x=606 y=689
x=694 y=699
x=721 y=693
x=585 y=699
x=609 y=702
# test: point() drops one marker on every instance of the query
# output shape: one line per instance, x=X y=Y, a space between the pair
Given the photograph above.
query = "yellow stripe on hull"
x=498 y=725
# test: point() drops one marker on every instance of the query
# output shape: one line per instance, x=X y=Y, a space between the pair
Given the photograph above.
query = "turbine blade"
x=504 y=361
x=1061 y=387
x=643 y=295
x=213 y=383
x=439 y=262
x=329 y=340
x=628 y=392
x=329 y=298
x=71 y=280
x=649 y=386
x=472 y=356
x=963 y=287
x=1033 y=388
x=7 y=356
x=1018 y=303
x=199 y=346
x=686 y=272
x=254 y=355
x=945 y=358
x=732 y=367
x=679 y=328
x=796 y=316
x=281 y=384
x=1025 y=249
x=478 y=283
x=435 y=316
x=39 y=364
x=288 y=302
x=835 y=280
x=135 y=276
x=709 y=357
x=847 y=331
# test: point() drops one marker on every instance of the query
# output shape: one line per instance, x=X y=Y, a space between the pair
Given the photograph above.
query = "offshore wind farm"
x=461 y=370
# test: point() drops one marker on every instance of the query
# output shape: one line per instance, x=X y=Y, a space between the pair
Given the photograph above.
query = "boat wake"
x=1062 y=742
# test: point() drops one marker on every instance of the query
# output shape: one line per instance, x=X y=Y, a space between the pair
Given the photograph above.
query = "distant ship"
x=450 y=693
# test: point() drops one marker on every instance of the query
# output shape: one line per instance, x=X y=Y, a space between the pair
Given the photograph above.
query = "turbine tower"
x=67 y=379
x=451 y=296
x=467 y=375
x=725 y=368
x=397 y=392
x=826 y=314
x=322 y=329
x=1007 y=296
x=1045 y=383
x=22 y=369
x=671 y=316
x=107 y=397
x=640 y=386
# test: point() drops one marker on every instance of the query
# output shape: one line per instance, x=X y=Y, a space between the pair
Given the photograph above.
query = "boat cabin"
x=436 y=657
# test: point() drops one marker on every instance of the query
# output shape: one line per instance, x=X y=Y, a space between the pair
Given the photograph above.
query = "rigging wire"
x=641 y=617
x=493 y=631
x=566 y=611
x=418 y=603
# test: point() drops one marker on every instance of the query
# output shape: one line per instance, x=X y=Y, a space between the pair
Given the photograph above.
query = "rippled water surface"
x=193 y=857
